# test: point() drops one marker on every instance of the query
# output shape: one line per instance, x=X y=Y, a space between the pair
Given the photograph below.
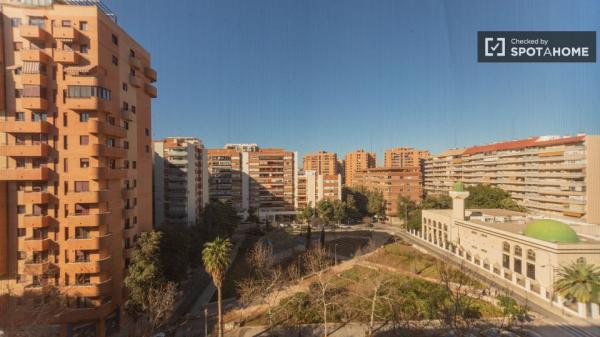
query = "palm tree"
x=580 y=281
x=216 y=257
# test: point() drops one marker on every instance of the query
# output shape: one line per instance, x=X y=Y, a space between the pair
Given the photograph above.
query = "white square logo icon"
x=495 y=46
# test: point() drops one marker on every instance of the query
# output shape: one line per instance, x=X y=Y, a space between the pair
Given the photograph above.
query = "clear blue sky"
x=344 y=74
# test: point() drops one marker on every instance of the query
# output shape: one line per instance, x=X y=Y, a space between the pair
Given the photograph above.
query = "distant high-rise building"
x=357 y=161
x=321 y=162
x=180 y=180
x=225 y=172
x=75 y=159
x=550 y=175
x=404 y=156
x=312 y=188
x=392 y=182
x=242 y=147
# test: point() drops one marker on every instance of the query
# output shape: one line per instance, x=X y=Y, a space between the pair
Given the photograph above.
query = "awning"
x=31 y=67
x=80 y=70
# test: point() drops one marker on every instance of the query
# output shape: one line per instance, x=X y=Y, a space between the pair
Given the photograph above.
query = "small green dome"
x=552 y=231
x=458 y=187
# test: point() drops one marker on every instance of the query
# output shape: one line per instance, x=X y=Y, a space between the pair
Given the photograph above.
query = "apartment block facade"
x=550 y=175
x=392 y=183
x=321 y=162
x=355 y=162
x=225 y=176
x=404 y=156
x=75 y=159
x=312 y=187
x=180 y=180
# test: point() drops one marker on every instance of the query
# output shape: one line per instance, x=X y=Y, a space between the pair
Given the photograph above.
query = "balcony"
x=96 y=127
x=34 y=79
x=25 y=127
x=88 y=267
x=101 y=150
x=37 y=55
x=65 y=56
x=88 y=220
x=88 y=103
x=34 y=103
x=36 y=245
x=25 y=174
x=37 y=267
x=86 y=314
x=32 y=32
x=90 y=80
x=107 y=173
x=64 y=33
x=92 y=243
x=100 y=289
x=89 y=197
x=127 y=193
x=135 y=81
x=135 y=62
x=37 y=221
x=150 y=90
x=24 y=197
x=37 y=150
x=126 y=114
x=150 y=74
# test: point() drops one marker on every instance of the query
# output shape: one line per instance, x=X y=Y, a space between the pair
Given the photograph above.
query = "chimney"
x=458 y=195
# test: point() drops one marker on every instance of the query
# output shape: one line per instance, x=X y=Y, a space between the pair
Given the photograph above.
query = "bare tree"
x=317 y=262
x=160 y=304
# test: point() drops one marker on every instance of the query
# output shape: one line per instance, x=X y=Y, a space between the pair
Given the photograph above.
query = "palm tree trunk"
x=220 y=309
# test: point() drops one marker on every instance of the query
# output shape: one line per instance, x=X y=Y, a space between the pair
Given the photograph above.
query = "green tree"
x=442 y=201
x=216 y=257
x=405 y=206
x=486 y=196
x=325 y=210
x=145 y=271
x=306 y=213
x=580 y=281
x=376 y=203
x=175 y=251
x=340 y=210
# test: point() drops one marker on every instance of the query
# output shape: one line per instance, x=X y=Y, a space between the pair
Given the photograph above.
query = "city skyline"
x=410 y=68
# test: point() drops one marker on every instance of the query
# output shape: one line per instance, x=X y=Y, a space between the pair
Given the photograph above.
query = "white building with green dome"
x=515 y=249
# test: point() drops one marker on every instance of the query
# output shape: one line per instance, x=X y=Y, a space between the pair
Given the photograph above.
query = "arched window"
x=434 y=224
x=530 y=255
x=518 y=251
x=506 y=247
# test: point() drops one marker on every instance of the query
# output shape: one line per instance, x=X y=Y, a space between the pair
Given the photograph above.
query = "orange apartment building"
x=357 y=161
x=392 y=183
x=404 y=156
x=180 y=180
x=550 y=175
x=321 y=162
x=75 y=159
x=312 y=188
x=225 y=176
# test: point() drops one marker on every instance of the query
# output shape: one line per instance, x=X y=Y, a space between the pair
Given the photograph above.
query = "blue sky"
x=346 y=74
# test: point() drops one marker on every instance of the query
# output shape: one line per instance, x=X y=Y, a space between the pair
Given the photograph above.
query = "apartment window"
x=21 y=232
x=21 y=209
x=34 y=91
x=20 y=162
x=517 y=266
x=66 y=23
x=126 y=144
x=39 y=209
x=83 y=25
x=85 y=91
x=131 y=71
x=36 y=21
x=135 y=220
x=115 y=60
x=131 y=52
x=17 y=46
x=111 y=120
x=127 y=243
x=39 y=116
x=506 y=247
x=20 y=116
x=134 y=164
x=147 y=132
x=84 y=116
x=82 y=279
x=125 y=106
x=21 y=255
x=126 y=125
x=147 y=148
x=112 y=164
x=20 y=139
x=125 y=86
x=84 y=162
x=505 y=261
x=518 y=251
x=84 y=140
x=15 y=22
x=115 y=40
x=531 y=271
x=84 y=48
x=110 y=142
x=65 y=119
x=65 y=143
x=133 y=108
x=82 y=186
x=126 y=165
x=530 y=255
x=82 y=209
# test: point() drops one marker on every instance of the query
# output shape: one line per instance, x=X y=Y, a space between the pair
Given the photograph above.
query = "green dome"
x=551 y=230
x=458 y=187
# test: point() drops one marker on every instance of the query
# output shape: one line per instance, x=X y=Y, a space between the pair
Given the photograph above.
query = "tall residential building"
x=225 y=172
x=180 y=180
x=404 y=156
x=392 y=183
x=75 y=159
x=357 y=161
x=550 y=175
x=271 y=174
x=321 y=162
x=312 y=187
x=242 y=147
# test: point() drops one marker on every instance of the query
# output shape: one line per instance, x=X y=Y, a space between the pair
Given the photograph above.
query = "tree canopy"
x=486 y=196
